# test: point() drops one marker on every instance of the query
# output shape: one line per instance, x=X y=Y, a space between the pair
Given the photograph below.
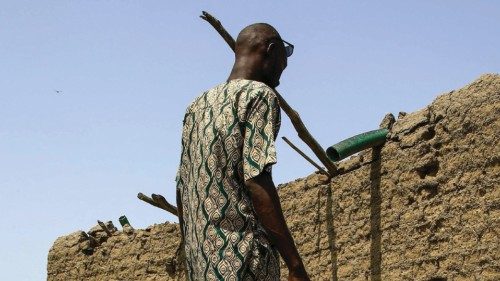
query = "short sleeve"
x=186 y=125
x=261 y=128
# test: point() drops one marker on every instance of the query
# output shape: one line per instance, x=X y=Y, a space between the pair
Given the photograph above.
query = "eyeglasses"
x=288 y=48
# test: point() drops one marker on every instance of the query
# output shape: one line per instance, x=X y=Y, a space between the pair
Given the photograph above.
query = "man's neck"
x=245 y=69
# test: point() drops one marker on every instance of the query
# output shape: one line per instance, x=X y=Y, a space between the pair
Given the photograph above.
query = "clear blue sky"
x=127 y=70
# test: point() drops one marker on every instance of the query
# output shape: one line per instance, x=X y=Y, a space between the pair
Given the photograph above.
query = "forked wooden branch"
x=159 y=201
x=306 y=137
x=321 y=170
x=294 y=116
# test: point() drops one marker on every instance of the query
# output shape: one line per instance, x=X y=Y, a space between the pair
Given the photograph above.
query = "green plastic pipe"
x=356 y=144
x=123 y=220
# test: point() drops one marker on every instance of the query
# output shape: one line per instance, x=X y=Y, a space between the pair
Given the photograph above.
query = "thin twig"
x=305 y=156
x=158 y=201
x=299 y=126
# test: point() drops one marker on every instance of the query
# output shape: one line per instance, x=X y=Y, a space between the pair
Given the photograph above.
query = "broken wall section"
x=131 y=254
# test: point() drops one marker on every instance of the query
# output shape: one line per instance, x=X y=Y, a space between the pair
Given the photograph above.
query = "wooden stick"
x=105 y=228
x=218 y=26
x=159 y=201
x=299 y=126
x=321 y=170
x=93 y=241
x=164 y=204
x=306 y=137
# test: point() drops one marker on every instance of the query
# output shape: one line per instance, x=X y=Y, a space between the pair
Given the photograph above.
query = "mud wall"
x=425 y=206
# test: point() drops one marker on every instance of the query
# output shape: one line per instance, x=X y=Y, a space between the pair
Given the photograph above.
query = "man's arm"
x=268 y=209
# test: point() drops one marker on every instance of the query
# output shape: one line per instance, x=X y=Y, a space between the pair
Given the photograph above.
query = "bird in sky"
x=58 y=91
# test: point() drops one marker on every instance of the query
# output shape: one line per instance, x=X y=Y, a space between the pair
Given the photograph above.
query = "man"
x=229 y=210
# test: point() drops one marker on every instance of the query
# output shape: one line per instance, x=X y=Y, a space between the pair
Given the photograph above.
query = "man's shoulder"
x=248 y=89
x=253 y=86
x=204 y=96
x=240 y=85
x=252 y=89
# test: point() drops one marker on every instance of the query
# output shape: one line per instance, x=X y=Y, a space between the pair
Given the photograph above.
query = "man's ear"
x=270 y=48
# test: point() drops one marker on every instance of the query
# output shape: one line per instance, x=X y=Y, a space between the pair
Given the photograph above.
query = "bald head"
x=259 y=55
x=255 y=37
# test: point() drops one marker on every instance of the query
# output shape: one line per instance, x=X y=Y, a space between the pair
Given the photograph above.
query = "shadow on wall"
x=375 y=206
x=375 y=222
x=331 y=233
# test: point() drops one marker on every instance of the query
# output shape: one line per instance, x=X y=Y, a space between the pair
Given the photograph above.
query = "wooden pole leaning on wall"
x=294 y=116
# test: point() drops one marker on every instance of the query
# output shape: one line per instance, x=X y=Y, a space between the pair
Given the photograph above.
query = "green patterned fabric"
x=228 y=137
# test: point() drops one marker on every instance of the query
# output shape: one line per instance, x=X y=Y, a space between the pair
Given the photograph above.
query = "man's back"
x=228 y=137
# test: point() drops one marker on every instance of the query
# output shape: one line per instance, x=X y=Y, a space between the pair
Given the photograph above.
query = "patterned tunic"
x=228 y=137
